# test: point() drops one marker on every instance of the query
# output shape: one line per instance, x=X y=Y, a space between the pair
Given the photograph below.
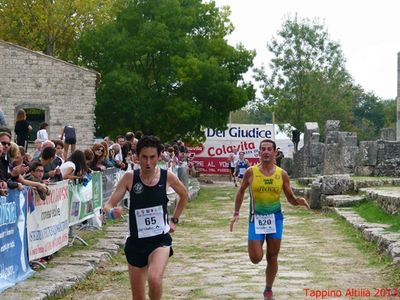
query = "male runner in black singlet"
x=148 y=247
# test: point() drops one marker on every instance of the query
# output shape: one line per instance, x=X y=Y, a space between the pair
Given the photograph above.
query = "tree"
x=368 y=113
x=166 y=69
x=308 y=81
x=390 y=113
x=50 y=26
x=256 y=113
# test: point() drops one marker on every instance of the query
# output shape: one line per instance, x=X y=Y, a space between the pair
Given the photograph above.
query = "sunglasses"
x=6 y=144
x=102 y=150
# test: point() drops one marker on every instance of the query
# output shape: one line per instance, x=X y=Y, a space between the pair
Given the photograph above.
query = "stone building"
x=49 y=90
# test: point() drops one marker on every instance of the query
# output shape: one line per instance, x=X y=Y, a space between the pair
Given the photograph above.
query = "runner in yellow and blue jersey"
x=265 y=181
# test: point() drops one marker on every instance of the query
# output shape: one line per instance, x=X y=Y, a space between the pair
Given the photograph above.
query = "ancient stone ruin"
x=342 y=154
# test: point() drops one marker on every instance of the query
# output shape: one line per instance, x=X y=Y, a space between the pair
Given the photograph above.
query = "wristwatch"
x=174 y=220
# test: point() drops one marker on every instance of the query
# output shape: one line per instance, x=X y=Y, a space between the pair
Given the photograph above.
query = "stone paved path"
x=212 y=263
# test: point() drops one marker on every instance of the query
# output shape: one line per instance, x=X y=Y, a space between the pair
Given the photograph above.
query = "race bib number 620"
x=265 y=224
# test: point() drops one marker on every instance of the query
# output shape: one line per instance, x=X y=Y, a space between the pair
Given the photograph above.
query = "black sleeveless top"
x=142 y=199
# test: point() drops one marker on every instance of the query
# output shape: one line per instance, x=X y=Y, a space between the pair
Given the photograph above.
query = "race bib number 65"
x=150 y=221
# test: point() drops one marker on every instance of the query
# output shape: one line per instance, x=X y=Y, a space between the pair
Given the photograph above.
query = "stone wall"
x=340 y=154
x=340 y=150
x=308 y=160
x=378 y=158
x=388 y=134
x=66 y=93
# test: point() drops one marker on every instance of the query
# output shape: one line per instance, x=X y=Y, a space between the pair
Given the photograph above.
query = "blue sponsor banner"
x=14 y=264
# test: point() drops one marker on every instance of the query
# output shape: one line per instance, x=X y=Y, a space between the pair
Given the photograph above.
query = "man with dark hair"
x=148 y=247
x=266 y=181
x=36 y=172
x=51 y=171
x=120 y=139
x=138 y=134
x=6 y=173
x=130 y=136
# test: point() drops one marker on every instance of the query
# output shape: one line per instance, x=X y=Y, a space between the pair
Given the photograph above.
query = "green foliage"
x=390 y=113
x=50 y=26
x=166 y=69
x=309 y=81
x=368 y=112
x=257 y=113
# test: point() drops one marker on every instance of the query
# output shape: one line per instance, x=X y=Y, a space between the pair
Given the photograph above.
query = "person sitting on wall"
x=295 y=139
x=69 y=133
x=279 y=157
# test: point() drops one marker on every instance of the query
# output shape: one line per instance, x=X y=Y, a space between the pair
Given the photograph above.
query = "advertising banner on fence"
x=47 y=221
x=14 y=264
x=84 y=199
x=212 y=156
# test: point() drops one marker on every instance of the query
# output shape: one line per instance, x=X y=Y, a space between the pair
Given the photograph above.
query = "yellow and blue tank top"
x=265 y=191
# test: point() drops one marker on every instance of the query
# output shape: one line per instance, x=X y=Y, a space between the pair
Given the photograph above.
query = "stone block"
x=343 y=200
x=389 y=202
x=332 y=137
x=336 y=184
x=388 y=134
x=287 y=165
x=346 y=138
x=349 y=155
x=333 y=163
x=332 y=125
x=316 y=155
x=368 y=153
x=315 y=195
x=315 y=137
x=309 y=129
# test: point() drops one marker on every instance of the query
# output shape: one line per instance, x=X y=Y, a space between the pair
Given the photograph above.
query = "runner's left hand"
x=302 y=201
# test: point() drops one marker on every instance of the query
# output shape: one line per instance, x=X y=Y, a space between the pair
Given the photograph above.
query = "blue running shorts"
x=260 y=237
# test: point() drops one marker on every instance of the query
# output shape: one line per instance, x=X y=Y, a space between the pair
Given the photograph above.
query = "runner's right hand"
x=117 y=212
x=233 y=221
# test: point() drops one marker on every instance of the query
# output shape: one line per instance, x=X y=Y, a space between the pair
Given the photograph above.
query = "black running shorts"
x=137 y=252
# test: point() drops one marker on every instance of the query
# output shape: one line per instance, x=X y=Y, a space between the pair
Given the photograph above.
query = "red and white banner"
x=47 y=221
x=212 y=156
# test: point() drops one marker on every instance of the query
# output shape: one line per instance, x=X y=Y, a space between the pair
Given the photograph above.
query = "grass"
x=99 y=280
x=391 y=272
x=373 y=214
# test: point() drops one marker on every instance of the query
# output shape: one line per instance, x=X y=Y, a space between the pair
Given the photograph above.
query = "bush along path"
x=321 y=258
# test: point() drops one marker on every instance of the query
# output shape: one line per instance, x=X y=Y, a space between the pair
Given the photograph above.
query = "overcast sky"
x=368 y=32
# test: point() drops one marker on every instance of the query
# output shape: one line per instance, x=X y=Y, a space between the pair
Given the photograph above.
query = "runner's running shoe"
x=268 y=295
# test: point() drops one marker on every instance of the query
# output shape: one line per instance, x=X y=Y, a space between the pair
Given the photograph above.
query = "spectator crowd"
x=48 y=162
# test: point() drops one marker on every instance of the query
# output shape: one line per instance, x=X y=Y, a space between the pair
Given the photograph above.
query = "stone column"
x=398 y=98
